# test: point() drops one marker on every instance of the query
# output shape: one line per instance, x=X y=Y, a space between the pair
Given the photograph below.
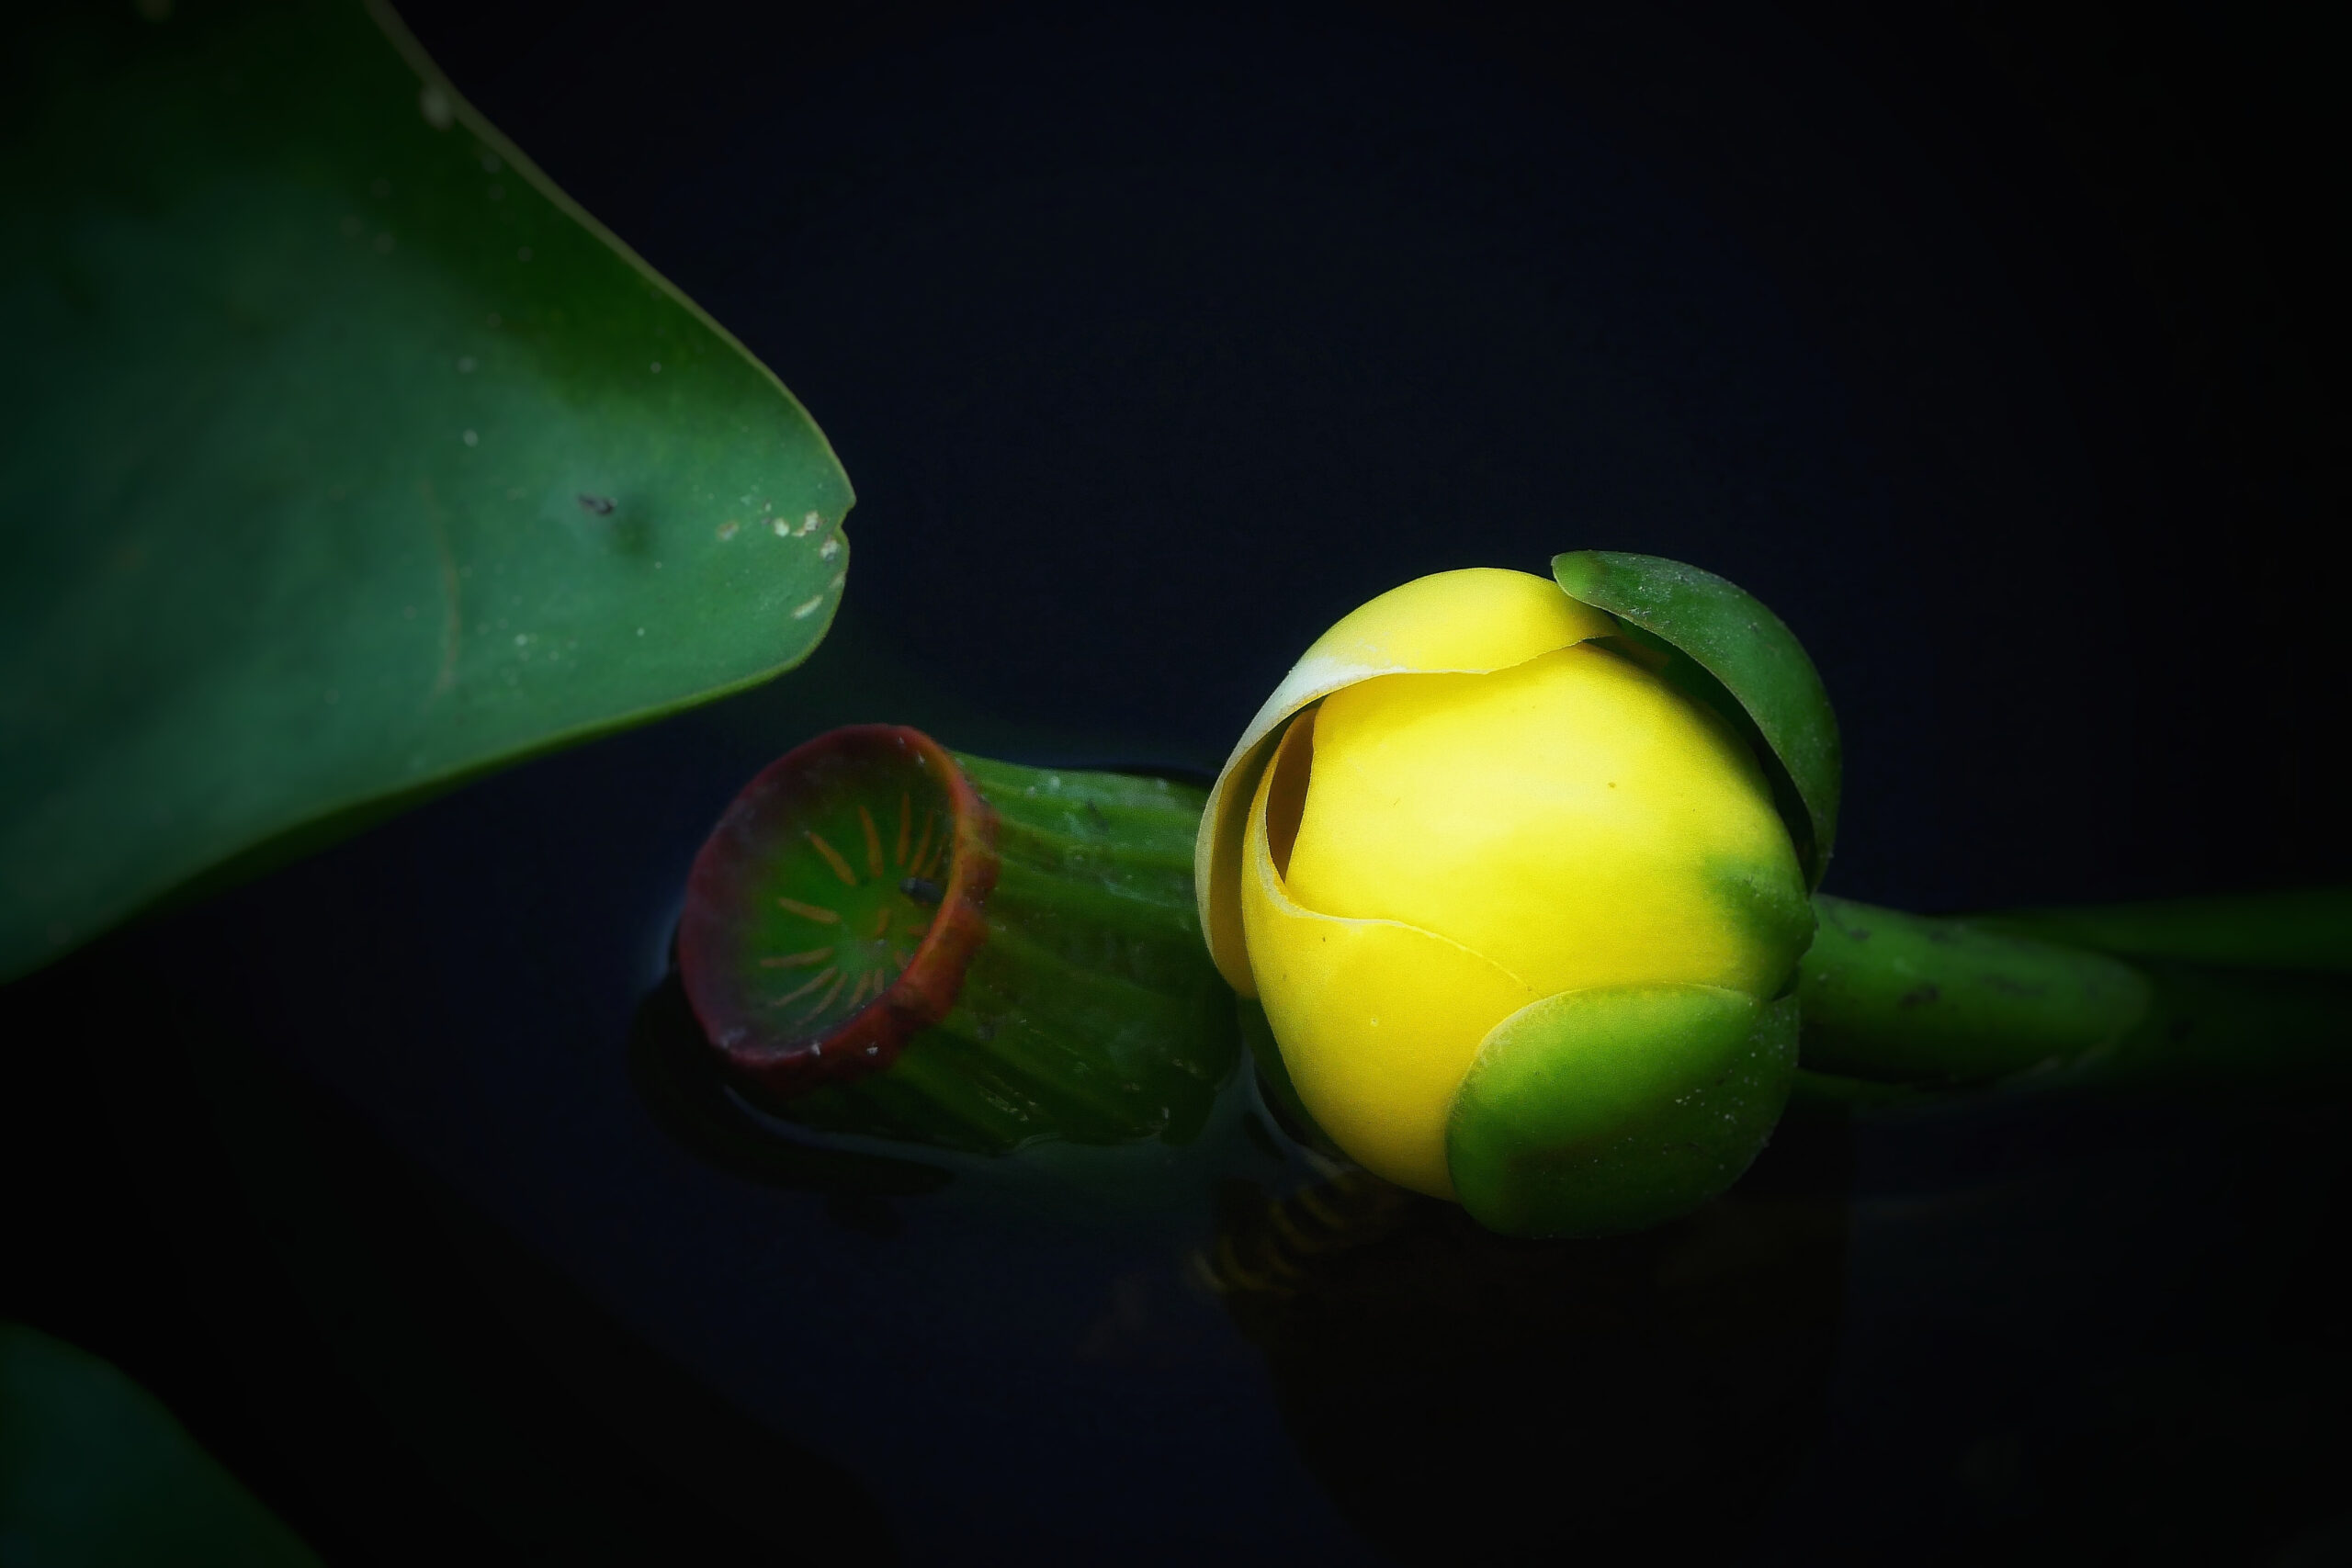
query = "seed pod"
x=886 y=938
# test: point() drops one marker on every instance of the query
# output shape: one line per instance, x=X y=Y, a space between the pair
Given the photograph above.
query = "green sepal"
x=1722 y=646
x=1597 y=1111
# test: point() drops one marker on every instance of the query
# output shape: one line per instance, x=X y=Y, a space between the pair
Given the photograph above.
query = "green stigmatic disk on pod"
x=885 y=938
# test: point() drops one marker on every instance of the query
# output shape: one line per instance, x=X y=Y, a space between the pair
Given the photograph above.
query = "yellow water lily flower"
x=1476 y=834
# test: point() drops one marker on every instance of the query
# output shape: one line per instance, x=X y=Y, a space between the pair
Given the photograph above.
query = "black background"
x=1987 y=349
x=1994 y=346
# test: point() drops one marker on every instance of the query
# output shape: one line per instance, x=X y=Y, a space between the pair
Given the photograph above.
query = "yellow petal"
x=1573 y=819
x=1378 y=1022
x=1479 y=619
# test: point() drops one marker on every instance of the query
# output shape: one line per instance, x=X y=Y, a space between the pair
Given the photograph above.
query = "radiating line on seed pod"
x=833 y=856
x=923 y=845
x=827 y=973
x=809 y=911
x=827 y=999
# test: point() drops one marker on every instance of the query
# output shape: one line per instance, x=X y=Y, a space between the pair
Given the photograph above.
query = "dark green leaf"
x=95 y=1472
x=345 y=457
x=1742 y=650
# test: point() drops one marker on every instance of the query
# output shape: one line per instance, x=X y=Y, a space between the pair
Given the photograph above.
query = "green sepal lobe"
x=1723 y=646
x=1610 y=1110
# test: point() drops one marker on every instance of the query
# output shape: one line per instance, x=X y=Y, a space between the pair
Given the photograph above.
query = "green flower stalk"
x=2185 y=993
x=1895 y=996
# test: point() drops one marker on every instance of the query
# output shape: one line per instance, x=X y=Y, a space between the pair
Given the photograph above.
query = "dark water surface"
x=1154 y=339
x=418 y=1069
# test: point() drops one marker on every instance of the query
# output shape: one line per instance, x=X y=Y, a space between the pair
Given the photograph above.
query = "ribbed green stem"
x=1089 y=1011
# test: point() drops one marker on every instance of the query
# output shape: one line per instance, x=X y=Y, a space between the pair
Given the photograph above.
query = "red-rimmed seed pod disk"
x=833 y=912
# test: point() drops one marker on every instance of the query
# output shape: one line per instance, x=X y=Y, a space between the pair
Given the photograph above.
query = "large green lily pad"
x=345 y=457
x=95 y=1472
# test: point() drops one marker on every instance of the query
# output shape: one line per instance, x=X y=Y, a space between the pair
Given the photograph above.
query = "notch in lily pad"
x=1722 y=646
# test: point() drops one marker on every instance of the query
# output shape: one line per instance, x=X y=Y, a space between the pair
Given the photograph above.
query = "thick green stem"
x=1906 y=998
x=2215 y=991
x=2308 y=930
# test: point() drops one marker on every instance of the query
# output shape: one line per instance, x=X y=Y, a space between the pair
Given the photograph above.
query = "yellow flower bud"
x=1462 y=806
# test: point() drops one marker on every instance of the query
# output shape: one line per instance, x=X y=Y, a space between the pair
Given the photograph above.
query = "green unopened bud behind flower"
x=1522 y=913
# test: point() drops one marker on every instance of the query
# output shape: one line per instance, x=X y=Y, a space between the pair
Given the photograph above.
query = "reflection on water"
x=1460 y=1395
x=1454 y=1393
x=670 y=1065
